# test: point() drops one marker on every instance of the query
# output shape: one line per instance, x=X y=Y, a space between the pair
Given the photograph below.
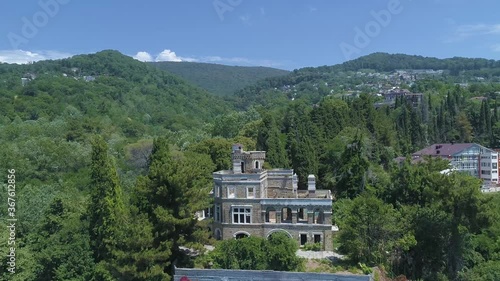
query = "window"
x=217 y=213
x=241 y=235
x=250 y=192
x=231 y=192
x=494 y=157
x=242 y=215
x=257 y=165
x=302 y=215
x=494 y=165
x=303 y=239
x=271 y=215
x=217 y=191
x=243 y=167
x=318 y=217
x=317 y=238
x=286 y=215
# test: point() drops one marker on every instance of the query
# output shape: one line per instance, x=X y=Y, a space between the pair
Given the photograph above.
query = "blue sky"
x=286 y=34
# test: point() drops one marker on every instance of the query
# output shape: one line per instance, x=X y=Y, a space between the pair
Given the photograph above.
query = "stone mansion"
x=250 y=200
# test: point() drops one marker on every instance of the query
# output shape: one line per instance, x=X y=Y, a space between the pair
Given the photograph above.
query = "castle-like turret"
x=247 y=161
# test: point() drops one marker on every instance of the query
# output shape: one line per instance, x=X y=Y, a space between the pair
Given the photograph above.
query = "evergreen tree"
x=176 y=187
x=300 y=135
x=353 y=170
x=62 y=251
x=269 y=139
x=106 y=210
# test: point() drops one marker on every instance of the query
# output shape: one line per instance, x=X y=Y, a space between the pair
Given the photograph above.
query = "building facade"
x=250 y=200
x=472 y=158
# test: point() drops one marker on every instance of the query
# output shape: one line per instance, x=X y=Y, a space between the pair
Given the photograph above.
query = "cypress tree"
x=106 y=207
x=269 y=139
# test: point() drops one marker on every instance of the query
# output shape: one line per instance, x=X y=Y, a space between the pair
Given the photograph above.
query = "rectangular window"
x=217 y=213
x=494 y=165
x=303 y=239
x=302 y=215
x=317 y=238
x=494 y=157
x=250 y=192
x=242 y=215
x=231 y=192
x=217 y=191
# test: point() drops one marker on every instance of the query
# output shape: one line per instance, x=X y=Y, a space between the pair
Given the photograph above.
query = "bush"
x=312 y=247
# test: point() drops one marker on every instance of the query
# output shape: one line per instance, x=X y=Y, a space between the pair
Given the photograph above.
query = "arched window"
x=257 y=165
x=274 y=231
x=241 y=234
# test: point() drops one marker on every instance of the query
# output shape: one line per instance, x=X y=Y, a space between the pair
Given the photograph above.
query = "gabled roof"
x=444 y=149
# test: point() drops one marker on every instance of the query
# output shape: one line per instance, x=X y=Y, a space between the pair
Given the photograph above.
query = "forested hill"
x=132 y=95
x=219 y=79
x=384 y=62
x=365 y=74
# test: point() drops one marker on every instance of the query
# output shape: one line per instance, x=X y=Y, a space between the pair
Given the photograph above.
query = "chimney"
x=311 y=186
x=295 y=182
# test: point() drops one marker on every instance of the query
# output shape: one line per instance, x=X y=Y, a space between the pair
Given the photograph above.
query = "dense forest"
x=219 y=79
x=113 y=157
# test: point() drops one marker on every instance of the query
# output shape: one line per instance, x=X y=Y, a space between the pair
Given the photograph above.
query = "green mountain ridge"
x=386 y=62
x=314 y=83
x=221 y=80
x=129 y=92
x=98 y=199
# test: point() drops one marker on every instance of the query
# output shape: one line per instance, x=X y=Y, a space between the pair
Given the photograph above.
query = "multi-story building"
x=472 y=158
x=250 y=200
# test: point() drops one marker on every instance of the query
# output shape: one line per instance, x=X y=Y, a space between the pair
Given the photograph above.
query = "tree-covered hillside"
x=113 y=157
x=134 y=97
x=384 y=62
x=368 y=74
x=221 y=80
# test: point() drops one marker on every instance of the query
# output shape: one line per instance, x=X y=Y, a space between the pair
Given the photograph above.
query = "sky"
x=286 y=34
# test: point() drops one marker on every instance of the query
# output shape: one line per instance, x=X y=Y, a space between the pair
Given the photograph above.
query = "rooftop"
x=443 y=149
x=182 y=274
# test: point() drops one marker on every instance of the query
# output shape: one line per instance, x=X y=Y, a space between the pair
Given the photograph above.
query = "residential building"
x=250 y=200
x=412 y=98
x=471 y=158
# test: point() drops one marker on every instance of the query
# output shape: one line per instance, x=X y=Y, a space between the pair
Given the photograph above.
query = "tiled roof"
x=443 y=149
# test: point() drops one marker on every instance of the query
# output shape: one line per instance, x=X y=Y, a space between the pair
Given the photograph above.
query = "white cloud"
x=22 y=57
x=143 y=56
x=167 y=55
x=466 y=31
